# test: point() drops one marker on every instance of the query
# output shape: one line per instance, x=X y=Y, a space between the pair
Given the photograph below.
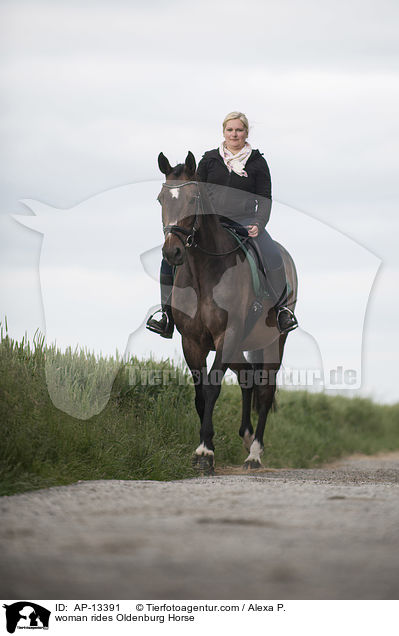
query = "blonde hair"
x=236 y=115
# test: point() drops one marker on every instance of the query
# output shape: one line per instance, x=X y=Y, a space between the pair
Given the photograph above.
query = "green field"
x=149 y=429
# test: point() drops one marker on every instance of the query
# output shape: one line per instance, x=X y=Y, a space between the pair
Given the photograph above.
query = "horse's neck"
x=207 y=262
x=211 y=235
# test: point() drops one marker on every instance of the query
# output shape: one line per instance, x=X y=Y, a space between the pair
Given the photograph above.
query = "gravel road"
x=329 y=533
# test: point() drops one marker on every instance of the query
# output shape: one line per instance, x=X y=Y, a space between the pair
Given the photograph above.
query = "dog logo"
x=26 y=615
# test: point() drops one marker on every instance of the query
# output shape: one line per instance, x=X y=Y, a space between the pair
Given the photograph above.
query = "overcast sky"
x=91 y=92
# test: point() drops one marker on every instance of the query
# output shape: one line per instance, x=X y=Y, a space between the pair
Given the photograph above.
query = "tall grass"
x=308 y=429
x=149 y=429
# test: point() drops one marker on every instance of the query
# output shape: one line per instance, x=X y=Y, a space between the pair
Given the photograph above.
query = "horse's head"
x=179 y=198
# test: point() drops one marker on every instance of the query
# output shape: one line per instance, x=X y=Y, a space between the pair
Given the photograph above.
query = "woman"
x=241 y=193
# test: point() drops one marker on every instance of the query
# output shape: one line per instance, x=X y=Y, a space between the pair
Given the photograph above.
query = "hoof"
x=252 y=464
x=204 y=464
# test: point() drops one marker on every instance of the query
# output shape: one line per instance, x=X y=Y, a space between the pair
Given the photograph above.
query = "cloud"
x=350 y=34
x=91 y=97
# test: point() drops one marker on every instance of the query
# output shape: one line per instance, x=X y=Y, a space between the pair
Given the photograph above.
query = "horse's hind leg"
x=265 y=388
x=244 y=372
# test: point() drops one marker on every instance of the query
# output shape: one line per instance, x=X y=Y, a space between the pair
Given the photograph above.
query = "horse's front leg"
x=195 y=355
x=226 y=352
x=204 y=456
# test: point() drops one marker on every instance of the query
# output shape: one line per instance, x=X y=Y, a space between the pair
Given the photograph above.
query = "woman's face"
x=235 y=135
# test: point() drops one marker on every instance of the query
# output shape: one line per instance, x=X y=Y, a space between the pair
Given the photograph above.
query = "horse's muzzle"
x=173 y=253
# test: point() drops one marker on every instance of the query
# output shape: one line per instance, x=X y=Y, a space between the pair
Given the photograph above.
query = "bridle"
x=189 y=235
x=176 y=229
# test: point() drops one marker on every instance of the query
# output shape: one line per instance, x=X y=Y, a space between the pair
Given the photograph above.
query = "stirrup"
x=294 y=322
x=154 y=327
x=166 y=330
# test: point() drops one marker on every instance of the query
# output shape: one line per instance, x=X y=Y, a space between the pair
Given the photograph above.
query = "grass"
x=148 y=429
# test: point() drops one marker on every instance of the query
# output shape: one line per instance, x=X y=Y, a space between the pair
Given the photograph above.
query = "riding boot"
x=165 y=325
x=277 y=286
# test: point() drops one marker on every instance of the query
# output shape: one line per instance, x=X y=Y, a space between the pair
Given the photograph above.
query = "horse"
x=211 y=296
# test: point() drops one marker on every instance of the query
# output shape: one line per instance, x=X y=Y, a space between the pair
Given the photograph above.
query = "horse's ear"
x=190 y=163
x=164 y=164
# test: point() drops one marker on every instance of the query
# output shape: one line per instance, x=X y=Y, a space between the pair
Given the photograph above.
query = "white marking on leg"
x=255 y=452
x=203 y=450
x=248 y=439
x=175 y=193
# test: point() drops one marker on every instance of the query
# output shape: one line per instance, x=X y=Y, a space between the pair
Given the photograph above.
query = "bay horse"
x=211 y=296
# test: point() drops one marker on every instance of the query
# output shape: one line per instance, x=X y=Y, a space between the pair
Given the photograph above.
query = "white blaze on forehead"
x=175 y=193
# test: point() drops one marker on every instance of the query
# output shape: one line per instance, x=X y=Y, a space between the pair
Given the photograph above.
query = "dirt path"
x=329 y=533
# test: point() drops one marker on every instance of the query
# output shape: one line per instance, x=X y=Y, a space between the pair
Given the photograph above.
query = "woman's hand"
x=253 y=230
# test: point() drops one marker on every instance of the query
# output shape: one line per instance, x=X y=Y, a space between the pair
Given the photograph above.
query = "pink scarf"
x=235 y=163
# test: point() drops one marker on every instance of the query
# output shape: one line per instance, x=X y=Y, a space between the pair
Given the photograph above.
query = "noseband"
x=176 y=229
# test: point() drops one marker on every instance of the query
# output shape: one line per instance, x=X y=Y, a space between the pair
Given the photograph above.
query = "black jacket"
x=238 y=197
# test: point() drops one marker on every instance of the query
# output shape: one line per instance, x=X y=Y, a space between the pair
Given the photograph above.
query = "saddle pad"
x=259 y=287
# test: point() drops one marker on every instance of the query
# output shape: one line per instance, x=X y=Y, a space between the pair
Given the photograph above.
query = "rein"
x=190 y=234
